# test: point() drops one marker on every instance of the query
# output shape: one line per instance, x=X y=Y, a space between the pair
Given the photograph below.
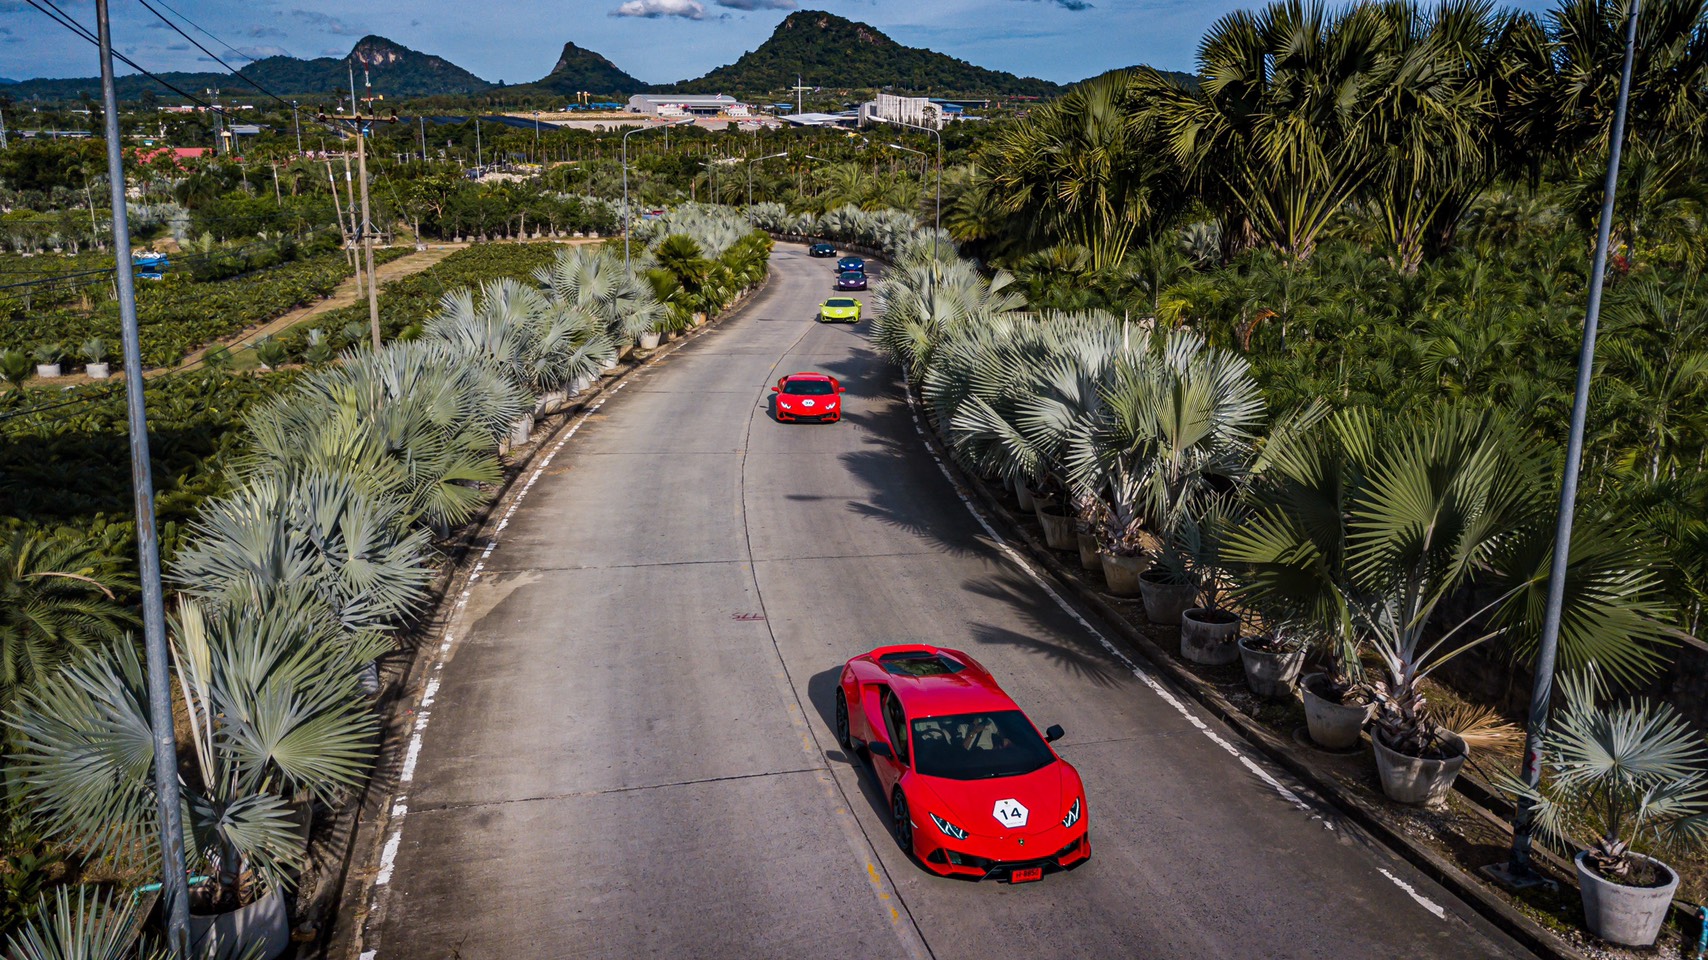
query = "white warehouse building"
x=679 y=105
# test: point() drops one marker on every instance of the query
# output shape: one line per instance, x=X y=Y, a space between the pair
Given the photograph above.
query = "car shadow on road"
x=821 y=690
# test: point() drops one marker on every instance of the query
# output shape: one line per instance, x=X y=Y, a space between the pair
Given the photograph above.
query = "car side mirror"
x=776 y=389
x=1054 y=733
x=841 y=389
x=879 y=748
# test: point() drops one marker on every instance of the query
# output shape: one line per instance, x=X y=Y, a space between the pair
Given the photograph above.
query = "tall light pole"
x=627 y=213
x=937 y=222
x=536 y=136
x=174 y=883
x=296 y=121
x=750 y=161
x=1517 y=870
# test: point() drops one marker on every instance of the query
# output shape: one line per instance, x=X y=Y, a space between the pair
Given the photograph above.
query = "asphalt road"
x=630 y=752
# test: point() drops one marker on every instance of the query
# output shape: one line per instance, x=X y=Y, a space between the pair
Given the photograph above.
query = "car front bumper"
x=838 y=318
x=983 y=859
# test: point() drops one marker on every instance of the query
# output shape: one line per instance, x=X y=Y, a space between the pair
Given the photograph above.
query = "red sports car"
x=974 y=790
x=808 y=396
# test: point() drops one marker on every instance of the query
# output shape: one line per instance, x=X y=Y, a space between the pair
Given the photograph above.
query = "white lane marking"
x=388 y=857
x=1143 y=675
x=1427 y=904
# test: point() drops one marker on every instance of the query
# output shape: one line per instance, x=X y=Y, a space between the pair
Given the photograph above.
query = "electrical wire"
x=234 y=71
x=63 y=19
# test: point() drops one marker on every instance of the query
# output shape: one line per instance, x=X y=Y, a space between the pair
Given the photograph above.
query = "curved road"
x=631 y=753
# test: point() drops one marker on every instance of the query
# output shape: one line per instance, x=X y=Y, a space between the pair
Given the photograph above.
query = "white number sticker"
x=1010 y=813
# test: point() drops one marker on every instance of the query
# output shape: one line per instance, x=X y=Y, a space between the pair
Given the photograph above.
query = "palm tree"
x=1366 y=528
x=540 y=345
x=594 y=279
x=57 y=601
x=1283 y=128
x=272 y=707
x=1077 y=171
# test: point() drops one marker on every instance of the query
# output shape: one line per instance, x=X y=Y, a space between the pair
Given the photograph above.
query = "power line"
x=234 y=72
x=63 y=19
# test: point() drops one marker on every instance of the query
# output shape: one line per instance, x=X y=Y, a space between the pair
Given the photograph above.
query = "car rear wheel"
x=904 y=826
x=842 y=736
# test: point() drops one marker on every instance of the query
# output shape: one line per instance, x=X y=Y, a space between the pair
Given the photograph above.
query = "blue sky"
x=656 y=40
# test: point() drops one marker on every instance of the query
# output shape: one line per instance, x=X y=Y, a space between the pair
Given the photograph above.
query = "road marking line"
x=1427 y=903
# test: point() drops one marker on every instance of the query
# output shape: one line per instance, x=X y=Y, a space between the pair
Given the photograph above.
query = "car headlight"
x=1073 y=812
x=949 y=829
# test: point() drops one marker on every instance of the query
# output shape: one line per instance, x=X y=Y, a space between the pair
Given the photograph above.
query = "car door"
x=893 y=724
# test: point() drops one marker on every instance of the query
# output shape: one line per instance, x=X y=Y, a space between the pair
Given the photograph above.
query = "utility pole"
x=174 y=884
x=423 y=121
x=367 y=218
x=296 y=121
x=1517 y=871
x=219 y=119
x=350 y=205
x=479 y=164
x=2 y=129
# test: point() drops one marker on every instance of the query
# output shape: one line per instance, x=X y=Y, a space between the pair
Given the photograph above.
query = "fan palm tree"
x=273 y=709
x=85 y=925
x=57 y=601
x=595 y=280
x=1365 y=528
x=540 y=346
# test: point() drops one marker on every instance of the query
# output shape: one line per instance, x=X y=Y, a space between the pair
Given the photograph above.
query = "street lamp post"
x=937 y=222
x=627 y=213
x=750 y=161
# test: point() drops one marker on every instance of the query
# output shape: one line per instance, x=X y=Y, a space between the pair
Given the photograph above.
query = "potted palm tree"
x=47 y=360
x=16 y=368
x=1272 y=659
x=94 y=351
x=1363 y=529
x=1629 y=775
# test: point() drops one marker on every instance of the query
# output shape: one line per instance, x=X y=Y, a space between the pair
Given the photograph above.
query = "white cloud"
x=757 y=4
x=686 y=9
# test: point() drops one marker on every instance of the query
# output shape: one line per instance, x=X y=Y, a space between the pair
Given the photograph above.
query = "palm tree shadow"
x=1095 y=666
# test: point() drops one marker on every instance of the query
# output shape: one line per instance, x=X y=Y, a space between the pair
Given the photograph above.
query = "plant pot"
x=521 y=430
x=1631 y=916
x=1122 y=573
x=1025 y=496
x=47 y=371
x=1416 y=780
x=1208 y=636
x=609 y=366
x=264 y=922
x=551 y=402
x=97 y=371
x=1164 y=601
x=1334 y=726
x=649 y=340
x=1058 y=528
x=1271 y=674
x=1088 y=551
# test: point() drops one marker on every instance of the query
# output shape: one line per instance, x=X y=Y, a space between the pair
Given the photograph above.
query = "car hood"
x=1045 y=793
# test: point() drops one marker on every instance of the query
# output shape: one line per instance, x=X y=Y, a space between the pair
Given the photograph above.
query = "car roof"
x=937 y=693
x=808 y=376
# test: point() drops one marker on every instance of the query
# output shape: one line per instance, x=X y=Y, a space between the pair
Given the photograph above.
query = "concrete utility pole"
x=627 y=215
x=367 y=218
x=174 y=883
x=296 y=121
x=2 y=129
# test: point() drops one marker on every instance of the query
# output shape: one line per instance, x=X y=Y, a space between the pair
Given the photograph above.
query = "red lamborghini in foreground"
x=808 y=396
x=974 y=790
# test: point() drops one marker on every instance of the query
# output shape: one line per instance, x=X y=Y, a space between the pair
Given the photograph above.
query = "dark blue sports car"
x=851 y=280
x=821 y=250
x=851 y=263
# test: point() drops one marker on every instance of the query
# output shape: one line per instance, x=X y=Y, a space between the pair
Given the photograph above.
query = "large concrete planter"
x=1268 y=673
x=1334 y=726
x=97 y=371
x=1088 y=558
x=551 y=402
x=1416 y=780
x=1208 y=636
x=649 y=340
x=522 y=430
x=1165 y=602
x=1122 y=573
x=1058 y=528
x=1631 y=916
x=47 y=371
x=265 y=922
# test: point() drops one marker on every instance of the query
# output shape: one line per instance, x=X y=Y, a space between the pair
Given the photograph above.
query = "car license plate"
x=1025 y=874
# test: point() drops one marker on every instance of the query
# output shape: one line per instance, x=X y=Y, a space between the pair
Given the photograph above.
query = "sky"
x=658 y=41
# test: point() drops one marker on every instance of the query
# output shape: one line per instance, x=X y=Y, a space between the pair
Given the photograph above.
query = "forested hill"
x=581 y=69
x=826 y=50
x=396 y=71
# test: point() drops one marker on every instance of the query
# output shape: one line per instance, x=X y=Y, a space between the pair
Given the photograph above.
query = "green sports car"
x=839 y=310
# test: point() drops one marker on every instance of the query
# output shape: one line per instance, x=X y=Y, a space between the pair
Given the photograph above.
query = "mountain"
x=579 y=69
x=1187 y=80
x=826 y=50
x=5 y=81
x=396 y=71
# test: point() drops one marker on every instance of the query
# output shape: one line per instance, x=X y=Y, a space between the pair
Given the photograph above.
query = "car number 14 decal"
x=1010 y=813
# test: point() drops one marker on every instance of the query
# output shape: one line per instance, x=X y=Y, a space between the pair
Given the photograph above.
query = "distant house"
x=176 y=155
x=669 y=105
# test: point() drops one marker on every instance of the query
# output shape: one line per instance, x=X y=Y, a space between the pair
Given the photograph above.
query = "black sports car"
x=821 y=250
x=851 y=280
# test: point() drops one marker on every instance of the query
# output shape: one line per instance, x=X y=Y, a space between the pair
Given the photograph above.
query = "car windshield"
x=808 y=388
x=852 y=275
x=839 y=302
x=978 y=746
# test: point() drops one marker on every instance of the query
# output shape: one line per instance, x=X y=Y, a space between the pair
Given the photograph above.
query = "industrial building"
x=679 y=105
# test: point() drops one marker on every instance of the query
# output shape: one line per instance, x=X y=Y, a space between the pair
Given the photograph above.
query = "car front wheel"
x=842 y=736
x=904 y=826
